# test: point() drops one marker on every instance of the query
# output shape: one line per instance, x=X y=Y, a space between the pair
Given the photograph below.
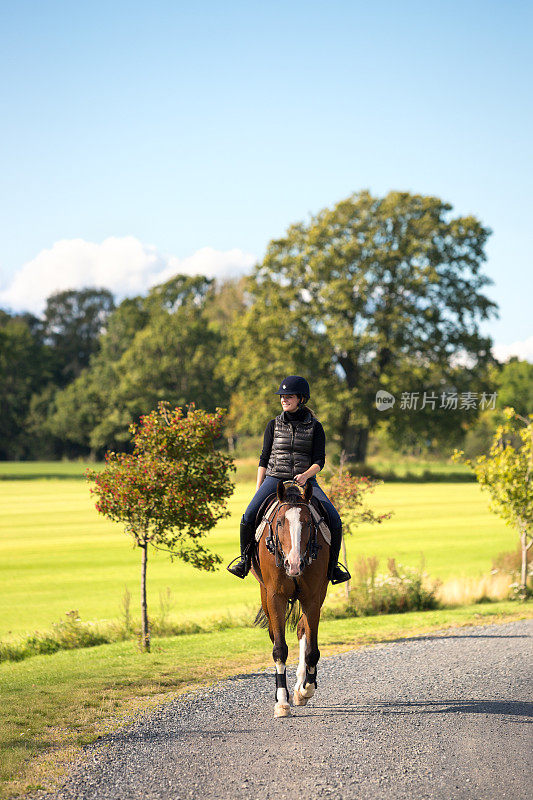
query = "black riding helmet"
x=294 y=384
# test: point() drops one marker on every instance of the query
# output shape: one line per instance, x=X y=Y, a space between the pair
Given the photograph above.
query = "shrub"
x=510 y=565
x=507 y=475
x=68 y=634
x=398 y=590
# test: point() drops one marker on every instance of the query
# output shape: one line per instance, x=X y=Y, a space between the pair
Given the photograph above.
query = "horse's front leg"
x=277 y=607
x=307 y=632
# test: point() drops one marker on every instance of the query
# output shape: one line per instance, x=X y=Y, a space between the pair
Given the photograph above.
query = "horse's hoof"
x=307 y=692
x=298 y=700
x=282 y=710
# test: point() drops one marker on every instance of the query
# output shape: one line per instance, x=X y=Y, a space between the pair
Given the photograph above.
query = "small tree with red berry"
x=348 y=494
x=171 y=490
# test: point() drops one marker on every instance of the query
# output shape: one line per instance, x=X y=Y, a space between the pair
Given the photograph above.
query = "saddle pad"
x=269 y=513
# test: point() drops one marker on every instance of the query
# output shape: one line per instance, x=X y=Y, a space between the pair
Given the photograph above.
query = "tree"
x=173 y=357
x=178 y=292
x=73 y=323
x=507 y=474
x=23 y=371
x=359 y=298
x=38 y=428
x=130 y=317
x=163 y=346
x=515 y=385
x=77 y=410
x=171 y=491
x=225 y=301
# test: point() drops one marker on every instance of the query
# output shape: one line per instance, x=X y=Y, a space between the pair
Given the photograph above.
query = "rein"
x=273 y=544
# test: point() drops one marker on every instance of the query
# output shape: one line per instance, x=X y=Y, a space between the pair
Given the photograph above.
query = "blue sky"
x=187 y=133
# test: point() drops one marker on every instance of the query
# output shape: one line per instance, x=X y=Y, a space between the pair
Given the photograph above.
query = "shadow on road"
x=509 y=710
x=512 y=710
x=436 y=637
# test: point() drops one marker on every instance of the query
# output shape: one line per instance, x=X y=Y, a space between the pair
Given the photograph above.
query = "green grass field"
x=58 y=554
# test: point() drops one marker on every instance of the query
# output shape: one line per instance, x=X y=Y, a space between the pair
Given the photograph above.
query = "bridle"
x=273 y=544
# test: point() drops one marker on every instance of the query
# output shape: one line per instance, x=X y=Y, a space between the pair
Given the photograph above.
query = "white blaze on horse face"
x=295 y=528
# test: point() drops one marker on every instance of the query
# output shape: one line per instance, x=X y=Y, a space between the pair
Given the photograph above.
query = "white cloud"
x=124 y=265
x=524 y=350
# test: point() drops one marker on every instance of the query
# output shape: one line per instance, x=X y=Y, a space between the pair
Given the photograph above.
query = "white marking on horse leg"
x=299 y=697
x=309 y=690
x=282 y=707
x=282 y=695
x=295 y=528
x=300 y=672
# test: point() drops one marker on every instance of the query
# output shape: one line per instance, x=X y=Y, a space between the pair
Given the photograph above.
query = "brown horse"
x=291 y=563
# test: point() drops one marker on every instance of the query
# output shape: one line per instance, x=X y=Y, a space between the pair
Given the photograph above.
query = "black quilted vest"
x=292 y=447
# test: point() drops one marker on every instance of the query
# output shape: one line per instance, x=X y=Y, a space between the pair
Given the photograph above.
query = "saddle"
x=268 y=508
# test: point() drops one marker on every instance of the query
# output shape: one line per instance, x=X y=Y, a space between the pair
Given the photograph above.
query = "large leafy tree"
x=174 y=357
x=161 y=347
x=78 y=410
x=367 y=295
x=73 y=323
x=128 y=318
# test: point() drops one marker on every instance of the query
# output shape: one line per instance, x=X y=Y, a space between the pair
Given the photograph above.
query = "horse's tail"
x=294 y=614
x=261 y=619
x=291 y=620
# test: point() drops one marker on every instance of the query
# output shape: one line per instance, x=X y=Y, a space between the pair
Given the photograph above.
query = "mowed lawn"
x=58 y=554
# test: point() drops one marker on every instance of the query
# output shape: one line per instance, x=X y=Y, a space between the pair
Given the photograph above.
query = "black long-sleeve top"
x=318 y=455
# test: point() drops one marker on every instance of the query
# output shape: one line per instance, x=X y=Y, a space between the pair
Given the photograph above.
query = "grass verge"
x=51 y=705
x=72 y=633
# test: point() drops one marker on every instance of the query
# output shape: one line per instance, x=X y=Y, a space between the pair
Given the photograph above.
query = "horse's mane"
x=293 y=492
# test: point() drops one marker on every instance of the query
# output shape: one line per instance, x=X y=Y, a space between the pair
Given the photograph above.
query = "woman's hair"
x=300 y=404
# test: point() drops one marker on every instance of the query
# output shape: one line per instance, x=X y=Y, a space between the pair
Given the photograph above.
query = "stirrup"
x=242 y=568
x=339 y=574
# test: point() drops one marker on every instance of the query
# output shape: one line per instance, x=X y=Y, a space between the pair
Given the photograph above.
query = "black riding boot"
x=336 y=572
x=242 y=567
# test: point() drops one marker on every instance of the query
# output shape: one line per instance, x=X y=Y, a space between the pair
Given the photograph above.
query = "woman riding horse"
x=294 y=448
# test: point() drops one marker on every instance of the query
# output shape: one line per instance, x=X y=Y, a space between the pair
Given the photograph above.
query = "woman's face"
x=289 y=402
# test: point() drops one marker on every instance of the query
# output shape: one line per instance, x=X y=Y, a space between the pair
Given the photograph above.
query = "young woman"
x=294 y=448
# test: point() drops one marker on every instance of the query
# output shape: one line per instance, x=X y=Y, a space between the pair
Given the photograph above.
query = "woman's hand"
x=261 y=472
x=302 y=478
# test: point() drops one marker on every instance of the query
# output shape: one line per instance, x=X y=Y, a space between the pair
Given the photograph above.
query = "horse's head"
x=293 y=525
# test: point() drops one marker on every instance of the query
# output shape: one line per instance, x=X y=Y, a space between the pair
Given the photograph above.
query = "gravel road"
x=440 y=716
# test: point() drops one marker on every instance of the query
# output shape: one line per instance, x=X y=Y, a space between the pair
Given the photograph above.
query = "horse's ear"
x=308 y=492
x=281 y=491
